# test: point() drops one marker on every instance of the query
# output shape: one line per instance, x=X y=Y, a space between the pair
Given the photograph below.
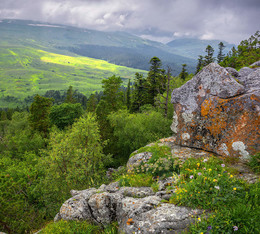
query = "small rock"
x=137 y=159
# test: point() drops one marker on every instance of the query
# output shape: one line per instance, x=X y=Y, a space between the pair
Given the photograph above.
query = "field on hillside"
x=25 y=71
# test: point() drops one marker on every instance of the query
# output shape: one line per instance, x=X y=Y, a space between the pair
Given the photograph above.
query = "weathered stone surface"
x=256 y=64
x=215 y=113
x=113 y=187
x=104 y=206
x=137 y=159
x=136 y=192
x=243 y=73
x=147 y=215
x=232 y=71
x=76 y=208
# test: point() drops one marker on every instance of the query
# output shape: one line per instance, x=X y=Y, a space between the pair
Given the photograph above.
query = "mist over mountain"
x=192 y=47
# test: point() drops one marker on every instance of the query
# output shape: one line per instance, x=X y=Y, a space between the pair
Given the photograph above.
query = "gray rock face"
x=213 y=80
x=232 y=71
x=77 y=208
x=256 y=64
x=136 y=210
x=137 y=159
x=219 y=113
x=104 y=207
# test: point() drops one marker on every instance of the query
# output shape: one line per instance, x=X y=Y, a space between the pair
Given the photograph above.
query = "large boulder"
x=217 y=112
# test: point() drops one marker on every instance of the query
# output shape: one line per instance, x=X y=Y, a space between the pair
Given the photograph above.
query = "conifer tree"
x=184 y=72
x=70 y=96
x=209 y=57
x=155 y=79
x=128 y=93
x=200 y=64
x=221 y=56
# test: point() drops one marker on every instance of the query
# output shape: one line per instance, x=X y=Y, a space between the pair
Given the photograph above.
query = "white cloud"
x=232 y=20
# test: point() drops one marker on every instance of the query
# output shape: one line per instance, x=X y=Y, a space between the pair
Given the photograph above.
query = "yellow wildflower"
x=234 y=188
x=231 y=176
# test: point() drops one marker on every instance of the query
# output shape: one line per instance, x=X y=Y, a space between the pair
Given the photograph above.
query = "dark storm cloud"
x=230 y=20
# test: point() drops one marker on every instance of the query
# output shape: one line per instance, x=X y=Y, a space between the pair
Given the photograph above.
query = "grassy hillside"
x=26 y=71
x=116 y=47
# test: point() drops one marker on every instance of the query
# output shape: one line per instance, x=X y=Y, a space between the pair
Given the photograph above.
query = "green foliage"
x=136 y=180
x=155 y=80
x=220 y=53
x=65 y=114
x=209 y=57
x=70 y=96
x=184 y=72
x=18 y=137
x=78 y=227
x=136 y=130
x=208 y=184
x=20 y=199
x=161 y=163
x=39 y=114
x=254 y=163
x=75 y=159
x=247 y=52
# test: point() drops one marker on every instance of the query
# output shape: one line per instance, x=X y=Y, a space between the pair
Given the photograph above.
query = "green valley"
x=26 y=71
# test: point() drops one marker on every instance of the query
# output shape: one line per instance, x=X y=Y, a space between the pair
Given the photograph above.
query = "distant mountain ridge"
x=120 y=48
x=192 y=47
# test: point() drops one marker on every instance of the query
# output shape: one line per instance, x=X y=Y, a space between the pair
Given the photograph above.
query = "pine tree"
x=200 y=64
x=70 y=96
x=184 y=72
x=221 y=56
x=155 y=79
x=128 y=93
x=209 y=57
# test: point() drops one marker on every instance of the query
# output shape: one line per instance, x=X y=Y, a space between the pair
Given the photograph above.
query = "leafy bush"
x=208 y=184
x=161 y=163
x=78 y=227
x=74 y=160
x=136 y=180
x=65 y=114
x=133 y=131
x=254 y=163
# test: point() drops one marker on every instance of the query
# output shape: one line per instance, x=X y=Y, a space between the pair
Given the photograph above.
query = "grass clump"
x=254 y=163
x=210 y=185
x=78 y=227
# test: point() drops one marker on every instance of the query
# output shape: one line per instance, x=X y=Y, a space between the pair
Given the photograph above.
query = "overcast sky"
x=162 y=20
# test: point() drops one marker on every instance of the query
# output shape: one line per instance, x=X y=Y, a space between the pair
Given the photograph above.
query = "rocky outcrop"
x=218 y=110
x=137 y=210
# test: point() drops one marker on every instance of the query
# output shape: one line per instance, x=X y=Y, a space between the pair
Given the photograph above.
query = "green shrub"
x=78 y=227
x=133 y=131
x=136 y=180
x=161 y=163
x=254 y=163
x=209 y=184
x=65 y=114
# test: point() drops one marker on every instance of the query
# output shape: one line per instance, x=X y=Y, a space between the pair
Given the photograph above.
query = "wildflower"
x=204 y=168
x=205 y=160
x=199 y=174
x=231 y=176
x=235 y=189
x=235 y=228
x=216 y=187
x=199 y=219
x=225 y=172
x=191 y=177
x=214 y=180
x=223 y=165
x=209 y=227
x=198 y=164
x=210 y=170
